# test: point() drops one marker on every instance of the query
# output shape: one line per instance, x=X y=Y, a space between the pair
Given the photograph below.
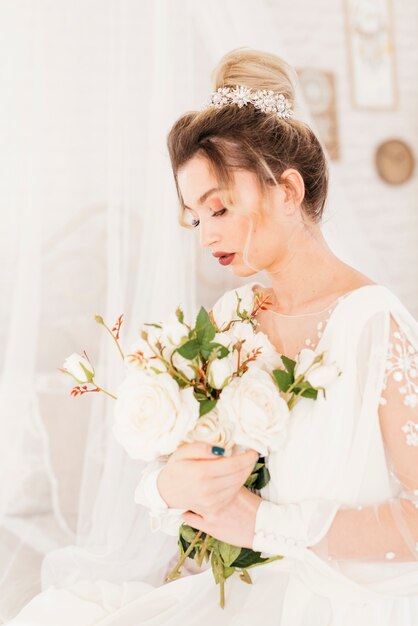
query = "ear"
x=294 y=190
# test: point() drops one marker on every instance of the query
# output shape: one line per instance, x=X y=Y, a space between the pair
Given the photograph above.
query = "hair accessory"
x=265 y=100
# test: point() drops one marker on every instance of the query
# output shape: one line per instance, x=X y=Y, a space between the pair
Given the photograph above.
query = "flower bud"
x=219 y=373
x=174 y=331
x=323 y=375
x=305 y=360
x=183 y=365
x=79 y=368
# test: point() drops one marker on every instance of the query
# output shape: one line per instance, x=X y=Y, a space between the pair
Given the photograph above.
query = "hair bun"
x=255 y=69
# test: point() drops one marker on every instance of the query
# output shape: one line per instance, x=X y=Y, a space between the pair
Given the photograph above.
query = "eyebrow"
x=205 y=196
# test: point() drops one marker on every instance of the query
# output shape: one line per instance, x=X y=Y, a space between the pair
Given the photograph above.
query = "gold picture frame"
x=371 y=54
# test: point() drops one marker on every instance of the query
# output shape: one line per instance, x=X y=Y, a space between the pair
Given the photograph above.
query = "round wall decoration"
x=394 y=161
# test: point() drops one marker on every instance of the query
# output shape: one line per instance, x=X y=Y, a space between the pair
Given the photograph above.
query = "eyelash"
x=196 y=223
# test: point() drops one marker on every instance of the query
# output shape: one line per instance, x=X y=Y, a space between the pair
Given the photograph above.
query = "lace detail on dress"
x=411 y=431
x=402 y=366
x=320 y=327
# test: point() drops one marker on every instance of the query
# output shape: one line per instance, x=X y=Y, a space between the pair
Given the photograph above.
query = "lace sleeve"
x=388 y=530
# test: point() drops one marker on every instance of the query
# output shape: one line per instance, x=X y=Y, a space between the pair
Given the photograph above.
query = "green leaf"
x=180 y=315
x=310 y=393
x=289 y=364
x=187 y=532
x=190 y=349
x=206 y=406
x=263 y=478
x=228 y=571
x=207 y=349
x=250 y=480
x=247 y=558
x=205 y=330
x=228 y=553
x=283 y=379
x=214 y=562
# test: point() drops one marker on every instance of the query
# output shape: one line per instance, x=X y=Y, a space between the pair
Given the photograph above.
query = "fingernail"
x=217 y=450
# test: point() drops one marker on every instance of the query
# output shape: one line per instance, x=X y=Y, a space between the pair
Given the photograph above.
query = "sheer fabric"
x=333 y=507
x=86 y=212
x=374 y=532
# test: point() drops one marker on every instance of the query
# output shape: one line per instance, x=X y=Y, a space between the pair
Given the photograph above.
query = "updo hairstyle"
x=247 y=138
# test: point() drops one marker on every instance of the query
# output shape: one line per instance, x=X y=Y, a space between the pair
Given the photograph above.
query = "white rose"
x=323 y=375
x=183 y=365
x=255 y=344
x=210 y=430
x=256 y=412
x=219 y=373
x=225 y=338
x=225 y=309
x=174 y=332
x=304 y=361
x=142 y=353
x=79 y=368
x=153 y=415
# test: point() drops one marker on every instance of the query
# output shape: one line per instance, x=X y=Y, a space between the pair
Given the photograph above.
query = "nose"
x=207 y=236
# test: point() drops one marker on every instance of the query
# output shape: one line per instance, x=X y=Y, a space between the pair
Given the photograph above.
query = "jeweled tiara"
x=263 y=99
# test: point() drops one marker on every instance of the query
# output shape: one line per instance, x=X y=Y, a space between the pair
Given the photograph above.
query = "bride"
x=342 y=502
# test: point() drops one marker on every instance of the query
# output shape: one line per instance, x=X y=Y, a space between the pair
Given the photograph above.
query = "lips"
x=224 y=258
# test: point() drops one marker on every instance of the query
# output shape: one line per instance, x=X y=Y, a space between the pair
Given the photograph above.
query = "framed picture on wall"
x=318 y=88
x=371 y=54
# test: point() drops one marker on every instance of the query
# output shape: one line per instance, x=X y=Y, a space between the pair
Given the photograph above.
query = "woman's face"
x=265 y=234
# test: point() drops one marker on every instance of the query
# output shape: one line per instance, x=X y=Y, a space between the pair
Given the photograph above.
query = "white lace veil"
x=91 y=213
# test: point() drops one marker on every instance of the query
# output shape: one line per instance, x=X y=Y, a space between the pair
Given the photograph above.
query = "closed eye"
x=196 y=223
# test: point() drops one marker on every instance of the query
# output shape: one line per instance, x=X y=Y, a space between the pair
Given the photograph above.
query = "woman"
x=342 y=503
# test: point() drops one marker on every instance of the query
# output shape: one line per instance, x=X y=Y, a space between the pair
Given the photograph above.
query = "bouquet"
x=218 y=381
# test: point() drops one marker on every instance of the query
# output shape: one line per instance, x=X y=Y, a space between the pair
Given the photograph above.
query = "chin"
x=243 y=271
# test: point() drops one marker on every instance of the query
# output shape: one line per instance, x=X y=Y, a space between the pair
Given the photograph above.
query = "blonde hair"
x=246 y=138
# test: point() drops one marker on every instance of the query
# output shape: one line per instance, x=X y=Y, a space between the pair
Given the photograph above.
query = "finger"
x=194 y=520
x=230 y=480
x=196 y=450
x=231 y=464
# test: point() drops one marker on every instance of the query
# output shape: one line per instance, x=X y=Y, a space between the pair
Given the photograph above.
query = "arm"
x=391 y=528
x=386 y=531
x=193 y=477
x=162 y=517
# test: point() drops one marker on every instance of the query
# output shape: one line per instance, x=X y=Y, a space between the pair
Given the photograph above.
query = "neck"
x=307 y=273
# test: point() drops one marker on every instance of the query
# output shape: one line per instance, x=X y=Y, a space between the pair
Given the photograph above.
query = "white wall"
x=314 y=34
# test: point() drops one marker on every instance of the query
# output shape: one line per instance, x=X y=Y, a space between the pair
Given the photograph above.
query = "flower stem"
x=221 y=584
x=202 y=551
x=175 y=572
x=244 y=575
x=101 y=321
x=104 y=391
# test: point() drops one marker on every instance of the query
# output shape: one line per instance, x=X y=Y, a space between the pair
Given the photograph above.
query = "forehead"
x=194 y=179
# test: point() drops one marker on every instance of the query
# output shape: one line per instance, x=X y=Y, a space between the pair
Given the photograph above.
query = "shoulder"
x=366 y=302
x=381 y=320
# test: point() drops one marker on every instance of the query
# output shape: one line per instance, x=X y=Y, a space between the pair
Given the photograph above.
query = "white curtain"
x=89 y=225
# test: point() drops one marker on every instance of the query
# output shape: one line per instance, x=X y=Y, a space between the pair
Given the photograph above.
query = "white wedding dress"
x=346 y=482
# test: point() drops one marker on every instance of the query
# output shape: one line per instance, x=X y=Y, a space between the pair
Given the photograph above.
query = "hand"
x=195 y=479
x=234 y=523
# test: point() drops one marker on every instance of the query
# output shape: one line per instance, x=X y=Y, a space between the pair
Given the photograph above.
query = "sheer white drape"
x=89 y=225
